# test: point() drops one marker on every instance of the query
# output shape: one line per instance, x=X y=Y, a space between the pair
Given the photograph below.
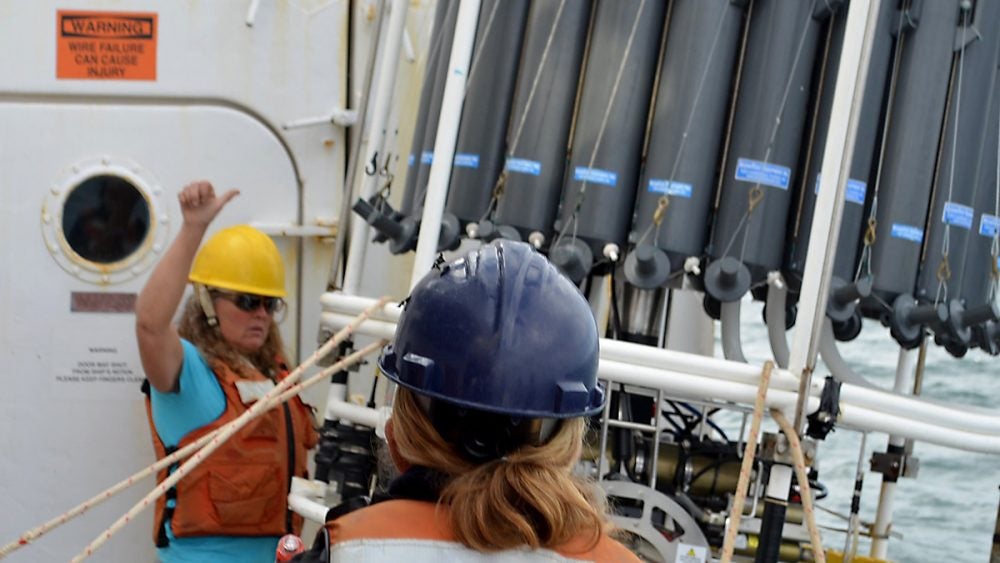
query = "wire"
x=944 y=271
x=690 y=120
x=707 y=420
x=502 y=178
x=744 y=223
x=604 y=124
x=481 y=42
x=865 y=261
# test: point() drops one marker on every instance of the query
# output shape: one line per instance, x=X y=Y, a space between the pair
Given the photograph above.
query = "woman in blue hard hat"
x=496 y=358
x=225 y=354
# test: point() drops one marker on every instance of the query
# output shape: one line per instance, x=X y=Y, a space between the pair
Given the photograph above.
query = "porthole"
x=102 y=220
x=105 y=219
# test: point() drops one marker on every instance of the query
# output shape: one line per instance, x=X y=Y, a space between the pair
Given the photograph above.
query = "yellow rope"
x=800 y=473
x=749 y=451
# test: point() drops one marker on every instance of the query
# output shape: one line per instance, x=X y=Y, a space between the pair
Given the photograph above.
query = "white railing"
x=699 y=378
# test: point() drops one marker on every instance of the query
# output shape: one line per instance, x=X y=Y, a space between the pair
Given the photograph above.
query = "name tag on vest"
x=251 y=391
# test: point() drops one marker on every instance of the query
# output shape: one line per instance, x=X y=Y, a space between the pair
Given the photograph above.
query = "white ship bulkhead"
x=247 y=95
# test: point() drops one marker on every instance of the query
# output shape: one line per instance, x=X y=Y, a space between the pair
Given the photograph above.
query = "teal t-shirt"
x=198 y=401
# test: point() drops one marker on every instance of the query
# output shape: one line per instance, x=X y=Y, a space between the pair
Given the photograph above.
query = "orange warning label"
x=105 y=45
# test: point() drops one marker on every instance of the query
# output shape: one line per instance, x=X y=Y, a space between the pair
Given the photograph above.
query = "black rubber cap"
x=727 y=279
x=647 y=267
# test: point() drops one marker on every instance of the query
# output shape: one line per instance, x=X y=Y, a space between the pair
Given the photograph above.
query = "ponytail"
x=528 y=498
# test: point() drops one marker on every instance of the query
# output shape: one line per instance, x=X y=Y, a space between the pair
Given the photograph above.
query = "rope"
x=736 y=512
x=228 y=430
x=800 y=473
x=35 y=533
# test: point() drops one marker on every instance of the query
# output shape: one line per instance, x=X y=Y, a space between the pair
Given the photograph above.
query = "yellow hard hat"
x=242 y=259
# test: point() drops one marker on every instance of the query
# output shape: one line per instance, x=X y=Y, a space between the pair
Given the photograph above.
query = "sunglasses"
x=249 y=302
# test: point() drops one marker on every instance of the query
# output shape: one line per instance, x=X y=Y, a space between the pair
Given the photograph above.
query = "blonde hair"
x=194 y=327
x=529 y=498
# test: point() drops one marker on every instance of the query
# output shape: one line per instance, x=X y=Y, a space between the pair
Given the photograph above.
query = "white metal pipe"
x=303 y=499
x=447 y=136
x=834 y=361
x=694 y=387
x=374 y=136
x=779 y=481
x=376 y=329
x=357 y=414
x=699 y=377
x=338 y=302
x=852 y=74
x=905 y=370
x=883 y=519
x=732 y=348
x=917 y=428
x=774 y=315
x=700 y=388
x=311 y=510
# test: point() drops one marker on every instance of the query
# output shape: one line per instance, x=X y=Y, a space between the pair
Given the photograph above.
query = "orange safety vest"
x=241 y=489
x=398 y=527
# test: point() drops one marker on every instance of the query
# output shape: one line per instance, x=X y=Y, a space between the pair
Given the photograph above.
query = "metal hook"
x=372 y=165
x=756 y=195
x=385 y=166
x=661 y=208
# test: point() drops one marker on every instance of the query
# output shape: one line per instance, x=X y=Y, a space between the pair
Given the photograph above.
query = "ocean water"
x=948 y=513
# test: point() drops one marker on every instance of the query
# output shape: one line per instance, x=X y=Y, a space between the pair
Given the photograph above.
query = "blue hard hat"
x=500 y=330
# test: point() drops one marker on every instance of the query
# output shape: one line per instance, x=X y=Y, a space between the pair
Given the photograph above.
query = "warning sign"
x=105 y=45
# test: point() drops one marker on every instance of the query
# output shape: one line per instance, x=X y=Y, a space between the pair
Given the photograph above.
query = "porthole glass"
x=105 y=219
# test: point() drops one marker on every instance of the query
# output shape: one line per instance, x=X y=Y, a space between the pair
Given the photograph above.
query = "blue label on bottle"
x=427 y=157
x=679 y=189
x=467 y=160
x=524 y=166
x=907 y=232
x=957 y=214
x=758 y=172
x=595 y=176
x=855 y=192
x=989 y=225
x=411 y=160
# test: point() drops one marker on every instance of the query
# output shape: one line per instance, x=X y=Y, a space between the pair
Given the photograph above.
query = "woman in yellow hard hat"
x=225 y=354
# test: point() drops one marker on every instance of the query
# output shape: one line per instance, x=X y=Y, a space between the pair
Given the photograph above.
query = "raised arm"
x=159 y=344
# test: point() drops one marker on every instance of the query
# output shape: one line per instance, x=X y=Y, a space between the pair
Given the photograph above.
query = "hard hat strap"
x=206 y=304
x=483 y=436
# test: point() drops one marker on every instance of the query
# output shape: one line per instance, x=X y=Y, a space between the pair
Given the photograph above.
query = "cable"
x=944 y=272
x=572 y=219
